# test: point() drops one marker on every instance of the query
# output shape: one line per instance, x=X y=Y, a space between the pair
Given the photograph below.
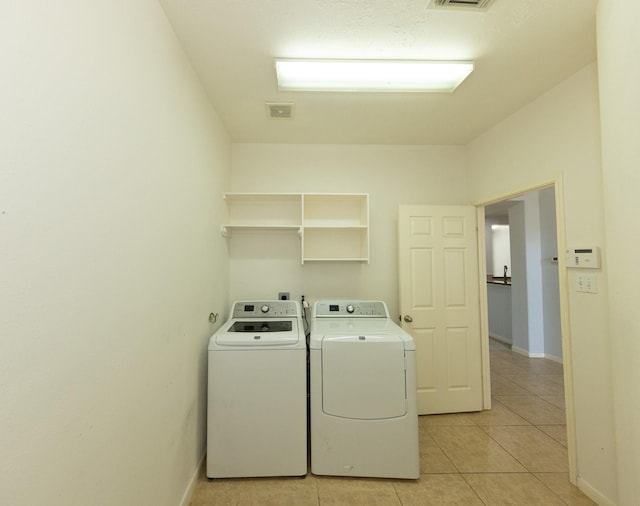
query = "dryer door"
x=363 y=377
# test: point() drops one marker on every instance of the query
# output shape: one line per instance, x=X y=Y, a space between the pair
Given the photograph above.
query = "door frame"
x=557 y=184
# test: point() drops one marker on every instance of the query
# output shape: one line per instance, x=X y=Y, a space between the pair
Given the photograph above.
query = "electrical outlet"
x=284 y=296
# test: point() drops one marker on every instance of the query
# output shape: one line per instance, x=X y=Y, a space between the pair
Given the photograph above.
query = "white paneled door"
x=439 y=302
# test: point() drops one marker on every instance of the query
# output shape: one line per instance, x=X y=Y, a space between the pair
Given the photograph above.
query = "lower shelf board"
x=354 y=260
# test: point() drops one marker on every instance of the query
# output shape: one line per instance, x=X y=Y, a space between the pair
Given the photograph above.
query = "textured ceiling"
x=521 y=48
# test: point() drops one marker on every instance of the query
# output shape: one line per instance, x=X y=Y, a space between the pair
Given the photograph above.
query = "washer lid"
x=363 y=377
x=255 y=333
x=253 y=326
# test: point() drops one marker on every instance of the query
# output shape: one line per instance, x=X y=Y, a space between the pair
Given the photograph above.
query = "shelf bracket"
x=225 y=232
x=300 y=232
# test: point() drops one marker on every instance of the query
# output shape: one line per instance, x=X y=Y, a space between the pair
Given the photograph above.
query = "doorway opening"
x=527 y=345
x=523 y=296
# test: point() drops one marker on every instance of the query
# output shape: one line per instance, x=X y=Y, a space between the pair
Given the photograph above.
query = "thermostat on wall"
x=585 y=258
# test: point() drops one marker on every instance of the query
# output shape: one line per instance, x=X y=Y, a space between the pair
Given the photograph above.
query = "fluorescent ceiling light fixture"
x=371 y=75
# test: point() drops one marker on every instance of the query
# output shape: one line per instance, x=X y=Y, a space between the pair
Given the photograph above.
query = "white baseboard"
x=593 y=494
x=503 y=340
x=553 y=358
x=188 y=493
x=526 y=353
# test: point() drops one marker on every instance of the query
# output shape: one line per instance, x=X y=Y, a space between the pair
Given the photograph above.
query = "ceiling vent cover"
x=476 y=5
x=280 y=110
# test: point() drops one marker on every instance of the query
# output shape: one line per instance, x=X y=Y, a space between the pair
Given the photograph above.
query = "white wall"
x=533 y=261
x=549 y=275
x=519 y=306
x=618 y=48
x=496 y=267
x=112 y=164
x=500 y=250
x=558 y=134
x=392 y=175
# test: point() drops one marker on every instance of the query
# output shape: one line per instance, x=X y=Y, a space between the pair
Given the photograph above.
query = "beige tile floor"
x=514 y=454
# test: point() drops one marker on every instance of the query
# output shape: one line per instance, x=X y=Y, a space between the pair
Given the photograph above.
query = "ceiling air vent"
x=280 y=110
x=476 y=5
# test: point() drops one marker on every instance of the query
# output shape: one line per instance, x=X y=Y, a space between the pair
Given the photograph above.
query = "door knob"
x=408 y=318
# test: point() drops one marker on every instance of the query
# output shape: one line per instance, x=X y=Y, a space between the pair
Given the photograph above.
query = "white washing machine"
x=257 y=396
x=364 y=419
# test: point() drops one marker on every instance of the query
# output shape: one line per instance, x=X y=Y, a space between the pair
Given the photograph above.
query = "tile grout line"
x=549 y=488
x=473 y=489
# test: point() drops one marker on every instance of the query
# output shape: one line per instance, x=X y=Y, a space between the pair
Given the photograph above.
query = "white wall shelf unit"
x=333 y=227
x=263 y=211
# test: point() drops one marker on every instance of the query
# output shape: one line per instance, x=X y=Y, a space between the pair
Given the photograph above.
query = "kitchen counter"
x=494 y=280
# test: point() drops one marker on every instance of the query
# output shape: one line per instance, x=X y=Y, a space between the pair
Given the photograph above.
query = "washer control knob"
x=350 y=308
x=264 y=309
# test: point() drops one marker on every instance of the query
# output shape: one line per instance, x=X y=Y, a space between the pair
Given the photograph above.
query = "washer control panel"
x=265 y=309
x=351 y=309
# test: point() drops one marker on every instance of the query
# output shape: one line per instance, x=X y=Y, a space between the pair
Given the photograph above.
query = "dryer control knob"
x=350 y=309
x=264 y=309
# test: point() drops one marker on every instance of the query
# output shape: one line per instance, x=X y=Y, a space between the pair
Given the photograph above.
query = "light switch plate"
x=587 y=283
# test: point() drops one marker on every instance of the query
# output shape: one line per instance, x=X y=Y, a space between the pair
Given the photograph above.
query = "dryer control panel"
x=351 y=309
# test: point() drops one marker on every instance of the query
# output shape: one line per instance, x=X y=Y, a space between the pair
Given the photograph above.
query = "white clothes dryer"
x=364 y=419
x=257 y=395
